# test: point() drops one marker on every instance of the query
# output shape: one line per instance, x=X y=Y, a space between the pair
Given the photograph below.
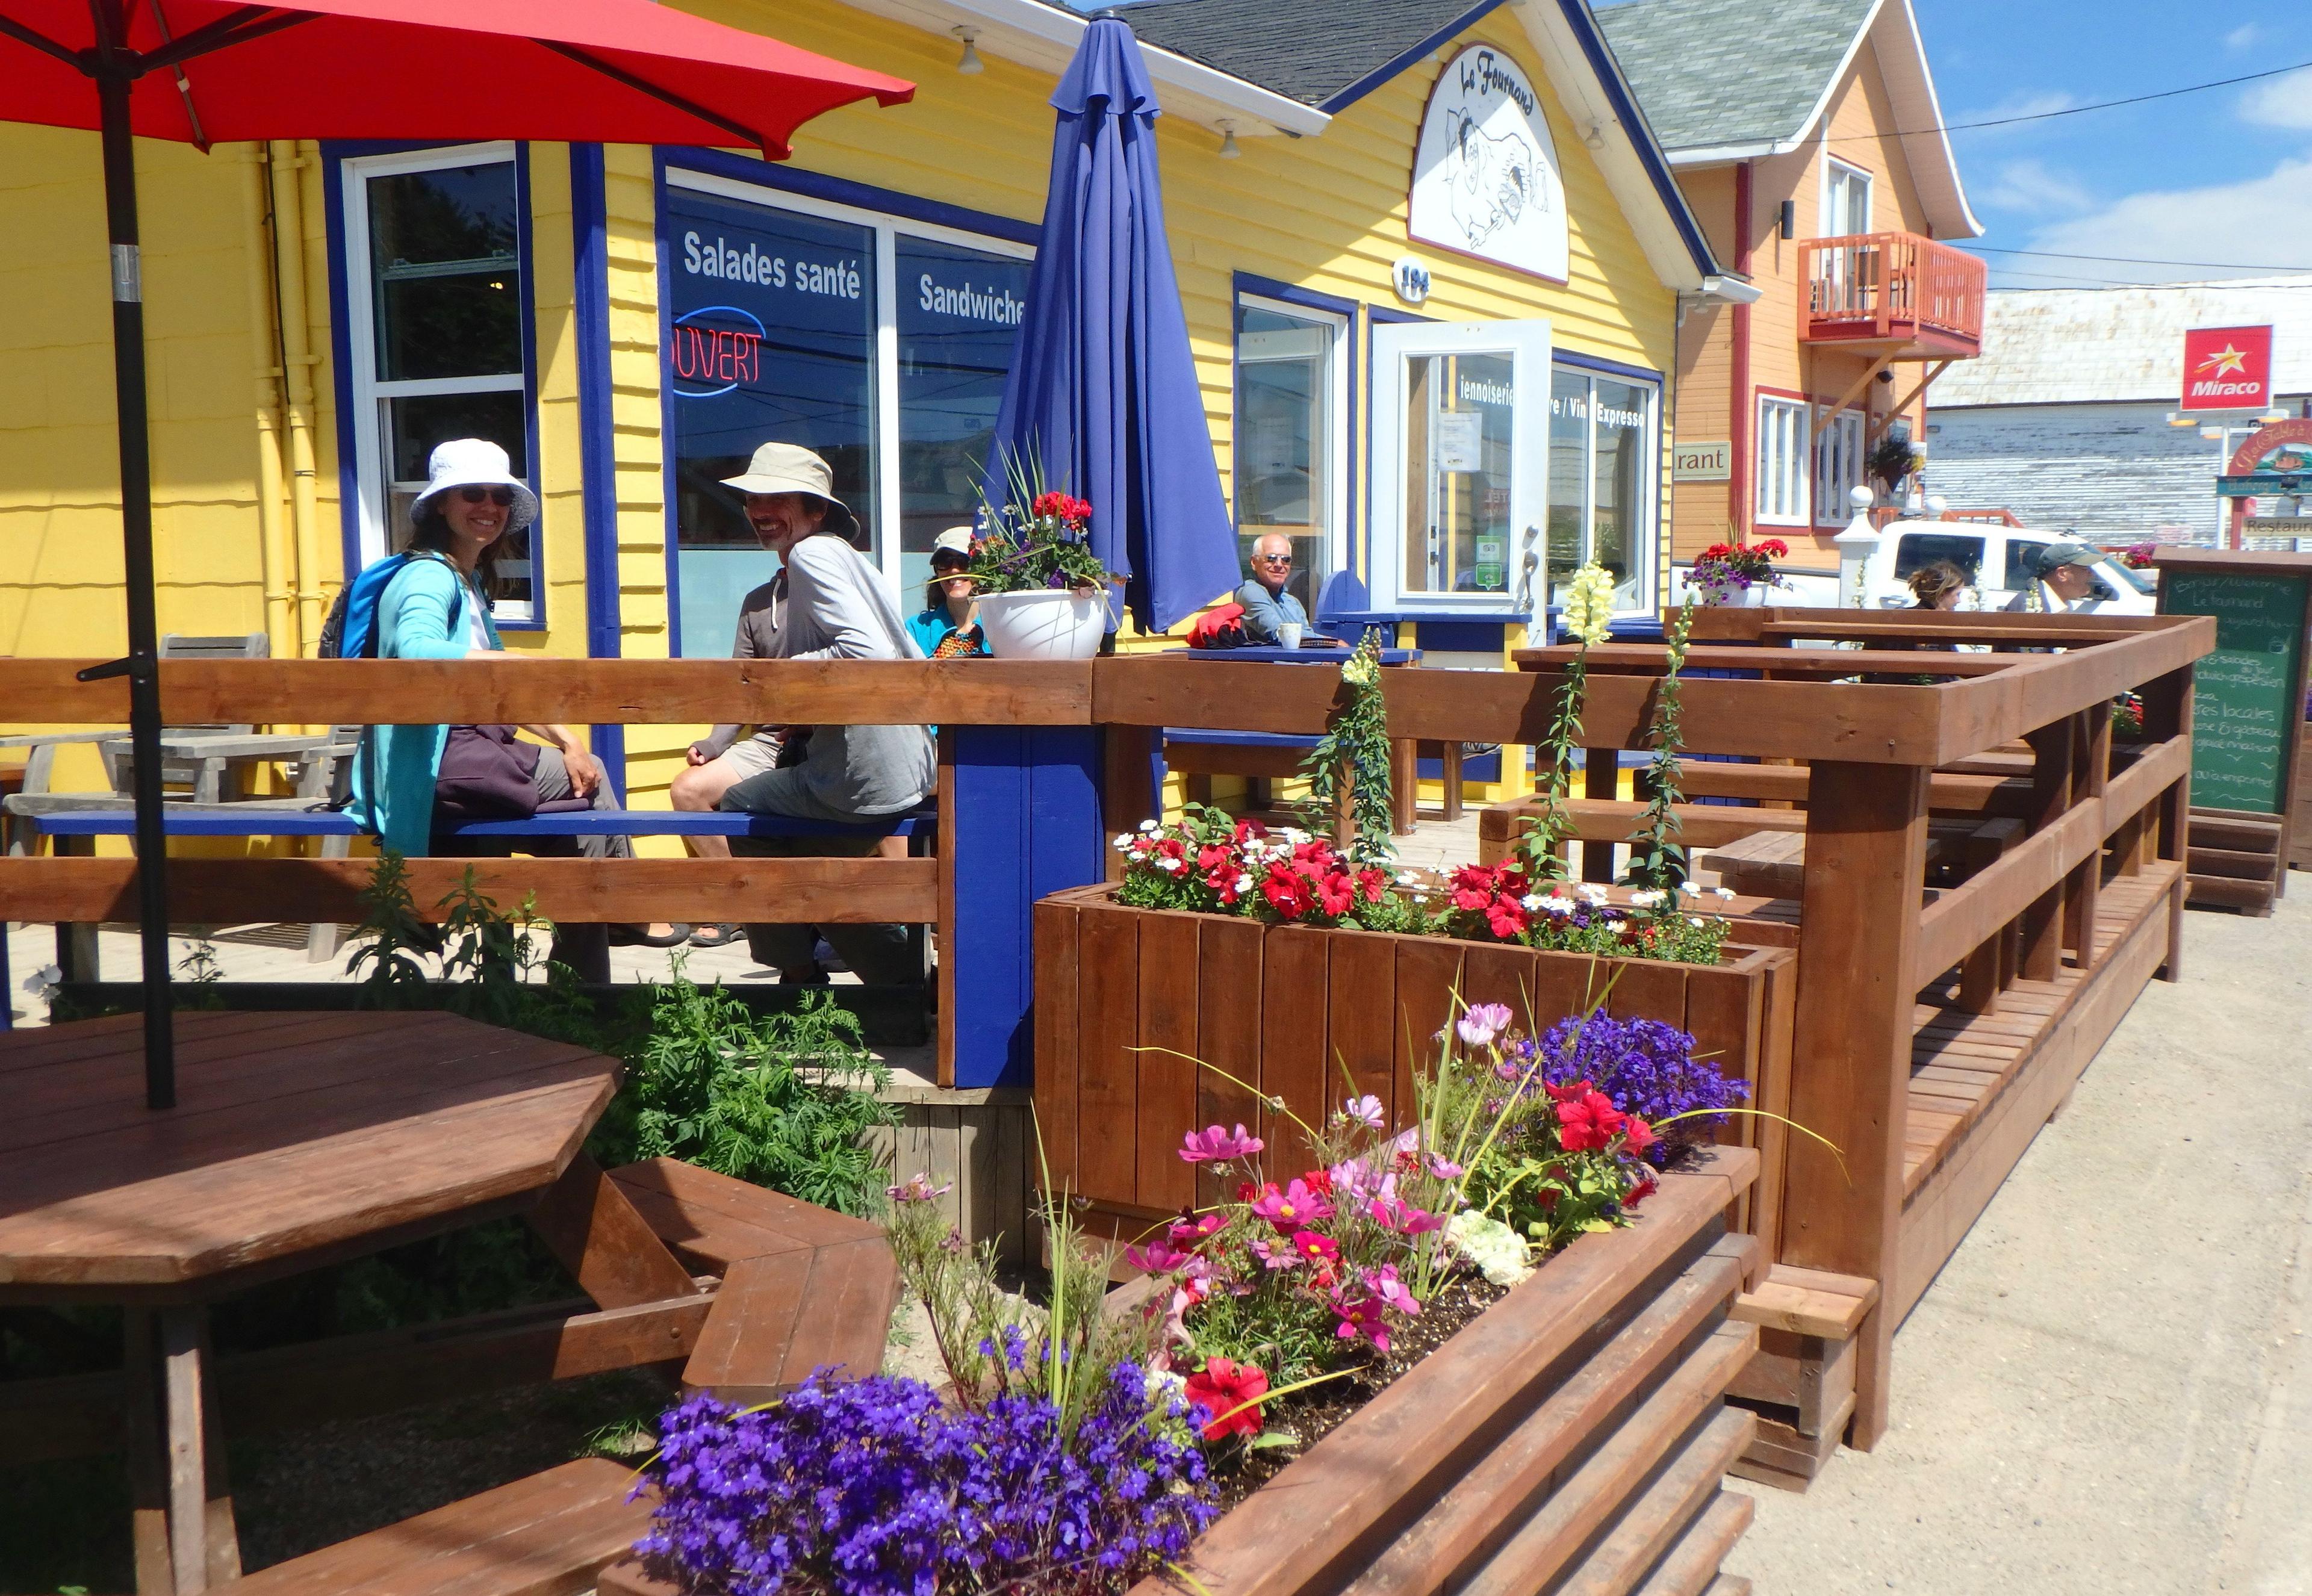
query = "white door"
x=1460 y=471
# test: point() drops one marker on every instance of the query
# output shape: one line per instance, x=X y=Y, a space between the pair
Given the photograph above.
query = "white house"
x=2064 y=419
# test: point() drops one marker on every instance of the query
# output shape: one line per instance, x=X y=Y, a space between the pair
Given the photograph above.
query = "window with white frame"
x=1845 y=199
x=1291 y=421
x=1837 y=464
x=436 y=250
x=880 y=343
x=1602 y=466
x=1782 y=460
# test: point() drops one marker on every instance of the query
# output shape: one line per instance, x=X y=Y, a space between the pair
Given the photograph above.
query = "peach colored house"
x=1807 y=137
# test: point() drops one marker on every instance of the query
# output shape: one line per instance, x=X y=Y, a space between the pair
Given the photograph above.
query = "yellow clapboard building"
x=1433 y=265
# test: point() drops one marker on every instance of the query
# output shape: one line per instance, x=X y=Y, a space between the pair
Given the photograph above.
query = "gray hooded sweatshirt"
x=836 y=609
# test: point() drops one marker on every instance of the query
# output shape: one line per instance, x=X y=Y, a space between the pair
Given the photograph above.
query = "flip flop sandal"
x=716 y=937
x=639 y=936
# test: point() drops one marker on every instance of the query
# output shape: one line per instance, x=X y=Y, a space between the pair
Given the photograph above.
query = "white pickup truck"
x=1997 y=560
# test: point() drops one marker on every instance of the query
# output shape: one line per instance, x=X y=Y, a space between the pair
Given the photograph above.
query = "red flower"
x=1637 y=1136
x=1641 y=1192
x=1506 y=917
x=1473 y=887
x=1372 y=883
x=1230 y=1393
x=1287 y=892
x=1319 y=1181
x=1587 y=1124
x=1336 y=894
x=1772 y=547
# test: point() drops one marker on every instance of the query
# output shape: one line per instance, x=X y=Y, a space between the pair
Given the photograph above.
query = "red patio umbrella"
x=200 y=70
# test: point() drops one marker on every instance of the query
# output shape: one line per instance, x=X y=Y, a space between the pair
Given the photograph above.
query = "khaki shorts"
x=751 y=756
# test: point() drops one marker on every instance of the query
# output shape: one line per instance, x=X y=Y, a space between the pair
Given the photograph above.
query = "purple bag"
x=486 y=774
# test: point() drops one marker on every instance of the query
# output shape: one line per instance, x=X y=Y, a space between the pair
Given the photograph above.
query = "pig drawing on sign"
x=1490 y=179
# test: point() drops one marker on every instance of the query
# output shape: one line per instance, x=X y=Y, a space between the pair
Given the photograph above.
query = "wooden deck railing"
x=1041 y=762
x=1892 y=285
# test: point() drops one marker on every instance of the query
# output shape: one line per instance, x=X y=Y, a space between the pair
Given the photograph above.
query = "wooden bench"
x=550 y=1534
x=1801 y=1384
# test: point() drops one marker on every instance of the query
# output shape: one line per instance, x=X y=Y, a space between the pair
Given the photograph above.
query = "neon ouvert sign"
x=702 y=352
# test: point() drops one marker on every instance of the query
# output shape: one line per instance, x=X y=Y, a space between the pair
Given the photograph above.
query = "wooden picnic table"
x=298 y=1140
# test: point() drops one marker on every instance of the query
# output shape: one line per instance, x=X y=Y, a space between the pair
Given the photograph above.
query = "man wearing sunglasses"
x=1268 y=607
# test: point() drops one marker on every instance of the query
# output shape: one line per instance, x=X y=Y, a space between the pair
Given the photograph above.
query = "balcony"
x=1894 y=293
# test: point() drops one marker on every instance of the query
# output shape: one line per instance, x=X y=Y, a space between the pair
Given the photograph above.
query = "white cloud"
x=2280 y=101
x=2259 y=220
x=2031 y=185
x=2243 y=36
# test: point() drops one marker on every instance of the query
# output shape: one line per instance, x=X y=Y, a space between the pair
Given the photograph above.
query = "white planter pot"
x=1044 y=624
x=1717 y=596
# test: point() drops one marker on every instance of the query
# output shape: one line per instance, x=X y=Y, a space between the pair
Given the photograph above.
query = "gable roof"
x=1320 y=52
x=1735 y=80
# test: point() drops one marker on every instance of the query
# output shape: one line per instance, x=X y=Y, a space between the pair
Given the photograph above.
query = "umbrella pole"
x=142 y=666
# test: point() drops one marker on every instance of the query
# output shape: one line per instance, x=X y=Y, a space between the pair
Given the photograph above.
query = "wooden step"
x=2207 y=891
x=2245 y=833
x=548 y=1535
x=1653 y=1522
x=1689 y=1567
x=2235 y=864
x=712 y=1221
x=1808 y=1303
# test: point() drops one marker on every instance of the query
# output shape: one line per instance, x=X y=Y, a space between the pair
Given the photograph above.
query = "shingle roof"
x=1731 y=72
x=1308 y=50
x=2085 y=345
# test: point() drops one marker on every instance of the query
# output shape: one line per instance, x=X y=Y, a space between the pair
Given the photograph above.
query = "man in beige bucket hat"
x=826 y=603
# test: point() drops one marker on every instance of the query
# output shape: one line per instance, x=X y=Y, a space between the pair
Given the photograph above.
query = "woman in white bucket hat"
x=437 y=607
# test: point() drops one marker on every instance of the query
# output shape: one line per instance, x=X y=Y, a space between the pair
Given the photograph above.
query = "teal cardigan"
x=420 y=617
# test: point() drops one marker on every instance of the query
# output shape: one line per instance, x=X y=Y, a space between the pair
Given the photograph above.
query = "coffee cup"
x=1288 y=634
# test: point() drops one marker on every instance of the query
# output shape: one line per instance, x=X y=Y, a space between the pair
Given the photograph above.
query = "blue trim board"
x=1604 y=367
x=865 y=196
x=1332 y=304
x=597 y=439
x=1600 y=56
x=1343 y=98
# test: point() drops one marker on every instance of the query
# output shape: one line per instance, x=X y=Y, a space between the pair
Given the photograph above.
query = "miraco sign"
x=2228 y=368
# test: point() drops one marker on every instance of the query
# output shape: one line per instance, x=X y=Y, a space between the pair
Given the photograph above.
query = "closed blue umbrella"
x=1102 y=394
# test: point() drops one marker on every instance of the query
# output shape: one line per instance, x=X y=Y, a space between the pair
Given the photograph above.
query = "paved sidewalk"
x=2109 y=1389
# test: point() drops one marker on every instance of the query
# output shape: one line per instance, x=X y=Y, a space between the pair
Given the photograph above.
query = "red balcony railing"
x=1895 y=287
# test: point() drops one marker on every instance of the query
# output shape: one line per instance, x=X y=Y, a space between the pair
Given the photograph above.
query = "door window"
x=1460 y=462
x=1290 y=387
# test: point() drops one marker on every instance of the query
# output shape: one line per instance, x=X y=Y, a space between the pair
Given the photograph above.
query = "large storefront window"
x=1289 y=394
x=879 y=348
x=1601 y=481
x=439 y=341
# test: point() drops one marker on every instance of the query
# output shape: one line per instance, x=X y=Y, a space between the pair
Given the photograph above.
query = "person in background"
x=439 y=609
x=2067 y=570
x=948 y=626
x=836 y=610
x=1268 y=609
x=723 y=758
x=1938 y=586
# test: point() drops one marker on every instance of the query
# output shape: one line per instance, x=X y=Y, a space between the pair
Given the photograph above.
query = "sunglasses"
x=500 y=496
x=1272 y=559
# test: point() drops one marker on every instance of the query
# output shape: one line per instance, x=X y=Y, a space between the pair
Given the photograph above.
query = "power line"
x=2128 y=260
x=2070 y=110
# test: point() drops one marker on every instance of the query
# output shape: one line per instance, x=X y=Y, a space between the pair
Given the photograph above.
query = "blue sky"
x=2224 y=175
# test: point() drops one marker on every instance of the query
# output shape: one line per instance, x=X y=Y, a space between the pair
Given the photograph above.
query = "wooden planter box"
x=1128 y=1000
x=1575 y=1438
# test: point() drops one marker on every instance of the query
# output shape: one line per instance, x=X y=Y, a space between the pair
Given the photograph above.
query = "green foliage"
x=390 y=940
x=1355 y=747
x=197 y=975
x=1656 y=858
x=1538 y=845
x=781 y=1101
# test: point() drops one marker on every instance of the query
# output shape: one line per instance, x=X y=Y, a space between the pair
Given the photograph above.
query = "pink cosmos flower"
x=1444 y=1167
x=1275 y=1255
x=1316 y=1249
x=1292 y=1209
x=1213 y=1145
x=917 y=1188
x=1191 y=1232
x=1365 y=1111
x=1157 y=1258
x=1482 y=1023
x=1403 y=1218
x=1362 y=1316
x=1384 y=1284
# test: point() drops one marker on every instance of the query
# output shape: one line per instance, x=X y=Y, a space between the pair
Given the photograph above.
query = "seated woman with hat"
x=409 y=779
x=836 y=608
x=948 y=626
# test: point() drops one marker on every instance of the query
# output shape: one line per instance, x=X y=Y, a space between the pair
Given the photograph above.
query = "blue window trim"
x=1308 y=299
x=805 y=185
x=1380 y=76
x=597 y=436
x=335 y=153
x=1607 y=368
x=865 y=196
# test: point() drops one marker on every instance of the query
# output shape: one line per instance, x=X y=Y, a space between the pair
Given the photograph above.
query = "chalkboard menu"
x=2249 y=691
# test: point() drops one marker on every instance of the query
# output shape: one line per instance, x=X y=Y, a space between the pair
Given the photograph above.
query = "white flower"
x=1293 y=837
x=1123 y=840
x=1696 y=921
x=1531 y=900
x=1171 y=864
x=1646 y=897
x=1499 y=1252
x=1727 y=892
x=1689 y=888
x=1244 y=884
x=1405 y=878
x=1150 y=826
x=1556 y=905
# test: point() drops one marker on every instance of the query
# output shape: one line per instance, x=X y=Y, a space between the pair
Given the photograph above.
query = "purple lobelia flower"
x=1646 y=1067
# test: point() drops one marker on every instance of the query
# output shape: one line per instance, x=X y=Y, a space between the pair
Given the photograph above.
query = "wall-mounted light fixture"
x=1228 y=151
x=970 y=64
x=1596 y=138
x=1790 y=214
